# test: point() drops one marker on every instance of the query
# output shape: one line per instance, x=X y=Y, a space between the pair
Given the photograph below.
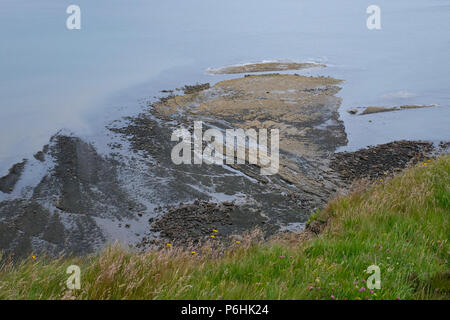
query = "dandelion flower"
x=213 y=236
x=33 y=257
x=215 y=230
x=194 y=252
x=238 y=242
x=169 y=244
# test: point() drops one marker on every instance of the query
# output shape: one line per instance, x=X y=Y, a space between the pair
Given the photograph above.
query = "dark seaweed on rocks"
x=40 y=155
x=189 y=224
x=195 y=88
x=8 y=182
x=381 y=160
x=444 y=145
x=192 y=222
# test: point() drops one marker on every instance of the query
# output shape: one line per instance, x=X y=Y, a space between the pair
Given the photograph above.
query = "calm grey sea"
x=52 y=78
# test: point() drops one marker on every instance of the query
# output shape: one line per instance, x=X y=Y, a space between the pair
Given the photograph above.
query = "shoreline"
x=136 y=193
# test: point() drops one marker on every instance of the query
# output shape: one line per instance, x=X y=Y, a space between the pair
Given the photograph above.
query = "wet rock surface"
x=83 y=181
x=27 y=227
x=59 y=214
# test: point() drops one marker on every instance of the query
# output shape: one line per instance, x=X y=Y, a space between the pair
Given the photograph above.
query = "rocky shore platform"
x=135 y=194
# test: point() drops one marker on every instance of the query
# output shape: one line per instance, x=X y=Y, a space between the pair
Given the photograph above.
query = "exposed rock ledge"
x=264 y=67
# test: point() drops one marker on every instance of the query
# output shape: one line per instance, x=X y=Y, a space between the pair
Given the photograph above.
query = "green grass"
x=401 y=225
